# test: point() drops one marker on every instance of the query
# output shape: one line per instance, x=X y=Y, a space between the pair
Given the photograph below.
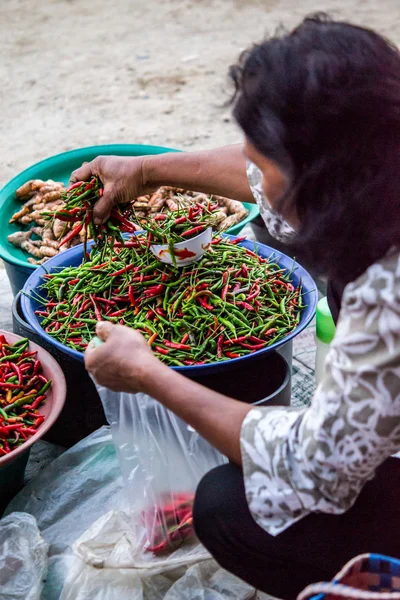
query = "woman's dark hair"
x=324 y=102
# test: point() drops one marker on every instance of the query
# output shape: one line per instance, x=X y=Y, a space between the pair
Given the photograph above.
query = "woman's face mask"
x=277 y=226
x=269 y=184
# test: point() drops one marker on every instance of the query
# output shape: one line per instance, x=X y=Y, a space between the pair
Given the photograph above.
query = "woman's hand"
x=122 y=178
x=221 y=171
x=125 y=362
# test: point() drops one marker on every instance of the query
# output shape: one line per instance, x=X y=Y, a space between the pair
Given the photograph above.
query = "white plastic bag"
x=80 y=509
x=103 y=569
x=162 y=460
x=23 y=558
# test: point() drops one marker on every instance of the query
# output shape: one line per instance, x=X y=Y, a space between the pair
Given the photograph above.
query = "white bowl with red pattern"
x=185 y=252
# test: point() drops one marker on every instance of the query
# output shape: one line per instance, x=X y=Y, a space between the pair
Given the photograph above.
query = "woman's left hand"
x=124 y=362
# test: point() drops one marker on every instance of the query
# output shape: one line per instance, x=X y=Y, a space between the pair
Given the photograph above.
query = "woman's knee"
x=217 y=502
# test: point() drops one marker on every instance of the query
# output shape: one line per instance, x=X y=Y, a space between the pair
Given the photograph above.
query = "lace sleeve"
x=318 y=459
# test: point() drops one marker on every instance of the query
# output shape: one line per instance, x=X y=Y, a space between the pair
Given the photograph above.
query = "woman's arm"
x=125 y=363
x=221 y=171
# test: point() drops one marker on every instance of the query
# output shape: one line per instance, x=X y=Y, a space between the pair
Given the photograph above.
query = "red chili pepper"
x=242 y=338
x=27 y=354
x=152 y=291
x=160 y=311
x=245 y=305
x=160 y=217
x=96 y=309
x=204 y=303
x=232 y=354
x=237 y=240
x=162 y=350
x=73 y=281
x=220 y=343
x=244 y=270
x=72 y=234
x=271 y=331
x=77 y=299
x=17 y=371
x=250 y=253
x=254 y=346
x=194 y=230
x=254 y=293
x=176 y=346
x=130 y=267
x=131 y=296
x=74 y=186
x=84 y=307
x=224 y=291
x=185 y=338
x=256 y=340
x=181 y=220
x=104 y=300
x=160 y=548
x=101 y=192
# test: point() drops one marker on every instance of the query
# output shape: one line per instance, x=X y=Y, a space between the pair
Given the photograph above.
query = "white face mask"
x=276 y=225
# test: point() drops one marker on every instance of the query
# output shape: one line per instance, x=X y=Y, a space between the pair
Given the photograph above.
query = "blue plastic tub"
x=262 y=378
x=73 y=257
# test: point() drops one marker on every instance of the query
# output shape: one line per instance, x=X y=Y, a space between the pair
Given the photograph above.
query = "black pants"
x=313 y=549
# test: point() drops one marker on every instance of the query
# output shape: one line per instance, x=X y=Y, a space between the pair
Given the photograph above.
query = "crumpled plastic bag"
x=81 y=511
x=104 y=569
x=68 y=496
x=23 y=558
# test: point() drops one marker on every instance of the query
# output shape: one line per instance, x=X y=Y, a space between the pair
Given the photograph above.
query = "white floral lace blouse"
x=299 y=461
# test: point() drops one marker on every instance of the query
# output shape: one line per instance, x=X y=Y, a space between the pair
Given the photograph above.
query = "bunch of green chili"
x=230 y=303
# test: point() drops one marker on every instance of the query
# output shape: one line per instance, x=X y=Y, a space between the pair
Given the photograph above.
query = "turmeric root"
x=172 y=205
x=59 y=228
x=50 y=244
x=19 y=237
x=29 y=188
x=47 y=233
x=51 y=196
x=232 y=220
x=18 y=215
x=33 y=261
x=37 y=231
x=49 y=252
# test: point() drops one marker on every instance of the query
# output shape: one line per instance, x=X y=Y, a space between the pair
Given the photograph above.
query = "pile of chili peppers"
x=180 y=225
x=172 y=524
x=230 y=303
x=80 y=199
x=23 y=390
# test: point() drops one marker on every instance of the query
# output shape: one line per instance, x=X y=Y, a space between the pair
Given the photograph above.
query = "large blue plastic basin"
x=74 y=256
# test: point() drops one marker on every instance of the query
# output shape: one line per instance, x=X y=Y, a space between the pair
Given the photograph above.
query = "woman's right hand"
x=122 y=178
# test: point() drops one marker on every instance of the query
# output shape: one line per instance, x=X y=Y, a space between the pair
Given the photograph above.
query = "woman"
x=308 y=488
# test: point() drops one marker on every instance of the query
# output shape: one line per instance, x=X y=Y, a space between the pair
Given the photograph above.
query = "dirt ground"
x=81 y=72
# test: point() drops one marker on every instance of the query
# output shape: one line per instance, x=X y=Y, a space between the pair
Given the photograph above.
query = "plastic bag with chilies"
x=162 y=460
